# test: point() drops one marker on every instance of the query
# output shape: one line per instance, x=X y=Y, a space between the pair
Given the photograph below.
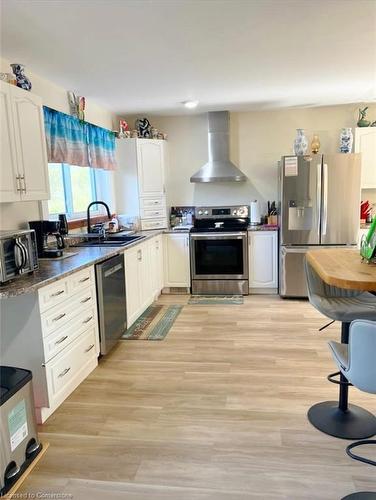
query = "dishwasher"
x=110 y=278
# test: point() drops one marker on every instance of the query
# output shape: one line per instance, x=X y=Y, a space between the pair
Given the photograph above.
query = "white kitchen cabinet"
x=138 y=280
x=140 y=181
x=150 y=160
x=263 y=261
x=9 y=177
x=365 y=143
x=56 y=337
x=156 y=264
x=24 y=167
x=176 y=260
x=132 y=285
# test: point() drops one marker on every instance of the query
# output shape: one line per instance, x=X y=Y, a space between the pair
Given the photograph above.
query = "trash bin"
x=18 y=430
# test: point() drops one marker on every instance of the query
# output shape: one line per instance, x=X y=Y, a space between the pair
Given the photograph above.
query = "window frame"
x=98 y=193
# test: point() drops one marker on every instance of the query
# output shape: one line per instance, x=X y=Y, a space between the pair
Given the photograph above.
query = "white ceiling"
x=149 y=56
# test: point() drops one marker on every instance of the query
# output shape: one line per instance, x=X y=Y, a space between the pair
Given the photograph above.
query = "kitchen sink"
x=110 y=241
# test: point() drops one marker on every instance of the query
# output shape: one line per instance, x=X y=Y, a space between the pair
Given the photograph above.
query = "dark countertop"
x=52 y=270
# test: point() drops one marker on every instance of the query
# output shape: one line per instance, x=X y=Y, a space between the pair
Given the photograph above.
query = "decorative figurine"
x=346 y=140
x=362 y=122
x=77 y=105
x=300 y=143
x=22 y=80
x=123 y=127
x=315 y=144
x=143 y=126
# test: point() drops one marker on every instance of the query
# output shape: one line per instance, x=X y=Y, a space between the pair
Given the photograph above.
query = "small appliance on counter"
x=182 y=218
x=18 y=253
x=19 y=439
x=63 y=224
x=43 y=230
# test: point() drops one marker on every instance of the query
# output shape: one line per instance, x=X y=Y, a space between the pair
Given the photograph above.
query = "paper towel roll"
x=255 y=212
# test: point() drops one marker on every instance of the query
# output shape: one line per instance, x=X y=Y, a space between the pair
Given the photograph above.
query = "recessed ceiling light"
x=190 y=104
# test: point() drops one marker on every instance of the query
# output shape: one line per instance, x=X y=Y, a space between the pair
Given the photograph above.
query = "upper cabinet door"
x=30 y=144
x=150 y=156
x=9 y=182
x=365 y=143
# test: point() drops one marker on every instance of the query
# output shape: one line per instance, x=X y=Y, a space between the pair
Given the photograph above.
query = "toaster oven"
x=18 y=253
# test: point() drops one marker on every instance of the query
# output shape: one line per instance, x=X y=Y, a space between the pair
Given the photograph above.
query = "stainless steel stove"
x=219 y=250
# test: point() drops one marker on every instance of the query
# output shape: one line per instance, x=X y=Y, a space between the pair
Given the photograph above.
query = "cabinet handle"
x=85 y=300
x=87 y=320
x=64 y=372
x=139 y=255
x=156 y=202
x=59 y=317
x=18 y=183
x=56 y=294
x=61 y=340
x=84 y=279
x=89 y=348
x=23 y=188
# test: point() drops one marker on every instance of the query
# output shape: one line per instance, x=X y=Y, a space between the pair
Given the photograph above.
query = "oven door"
x=219 y=256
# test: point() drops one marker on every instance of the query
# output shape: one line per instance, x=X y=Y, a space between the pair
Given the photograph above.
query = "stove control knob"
x=200 y=212
x=241 y=211
x=234 y=212
x=206 y=212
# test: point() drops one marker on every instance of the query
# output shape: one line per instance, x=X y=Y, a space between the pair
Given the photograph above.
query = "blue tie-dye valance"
x=72 y=141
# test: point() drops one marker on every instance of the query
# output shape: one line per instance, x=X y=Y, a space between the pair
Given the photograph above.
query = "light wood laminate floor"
x=215 y=411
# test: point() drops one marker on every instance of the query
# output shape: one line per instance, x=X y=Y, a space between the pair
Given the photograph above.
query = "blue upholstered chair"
x=339 y=418
x=357 y=362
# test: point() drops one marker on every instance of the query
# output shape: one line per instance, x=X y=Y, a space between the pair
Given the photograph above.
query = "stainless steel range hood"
x=219 y=167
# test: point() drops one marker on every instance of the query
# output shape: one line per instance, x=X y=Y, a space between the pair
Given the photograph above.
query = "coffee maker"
x=43 y=229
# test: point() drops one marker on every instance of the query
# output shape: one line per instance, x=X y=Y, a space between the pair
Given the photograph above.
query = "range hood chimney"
x=219 y=167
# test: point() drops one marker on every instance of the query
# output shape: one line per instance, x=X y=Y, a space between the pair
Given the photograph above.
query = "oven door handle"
x=224 y=236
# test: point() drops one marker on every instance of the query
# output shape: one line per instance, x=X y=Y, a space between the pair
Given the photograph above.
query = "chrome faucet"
x=88 y=212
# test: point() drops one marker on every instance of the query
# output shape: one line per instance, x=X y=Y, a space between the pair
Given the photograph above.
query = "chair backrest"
x=362 y=355
x=316 y=286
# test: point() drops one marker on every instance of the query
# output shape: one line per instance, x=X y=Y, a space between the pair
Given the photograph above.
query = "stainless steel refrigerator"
x=319 y=207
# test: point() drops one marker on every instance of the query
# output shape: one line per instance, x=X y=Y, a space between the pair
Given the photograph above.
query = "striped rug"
x=154 y=323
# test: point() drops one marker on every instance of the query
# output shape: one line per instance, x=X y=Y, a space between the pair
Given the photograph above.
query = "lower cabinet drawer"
x=61 y=338
x=153 y=224
x=153 y=213
x=80 y=280
x=158 y=202
x=62 y=369
x=53 y=294
x=61 y=314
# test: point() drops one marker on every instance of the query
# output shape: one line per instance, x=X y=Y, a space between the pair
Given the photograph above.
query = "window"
x=73 y=188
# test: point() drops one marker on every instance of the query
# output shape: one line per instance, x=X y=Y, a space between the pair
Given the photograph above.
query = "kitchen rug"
x=154 y=323
x=216 y=299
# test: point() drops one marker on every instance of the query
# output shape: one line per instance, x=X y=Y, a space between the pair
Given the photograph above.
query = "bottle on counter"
x=113 y=226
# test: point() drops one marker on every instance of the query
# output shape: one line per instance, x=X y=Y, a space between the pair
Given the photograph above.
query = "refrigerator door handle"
x=318 y=199
x=325 y=200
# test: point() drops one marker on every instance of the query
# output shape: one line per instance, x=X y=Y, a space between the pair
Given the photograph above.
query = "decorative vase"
x=22 y=80
x=346 y=140
x=300 y=143
x=315 y=144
